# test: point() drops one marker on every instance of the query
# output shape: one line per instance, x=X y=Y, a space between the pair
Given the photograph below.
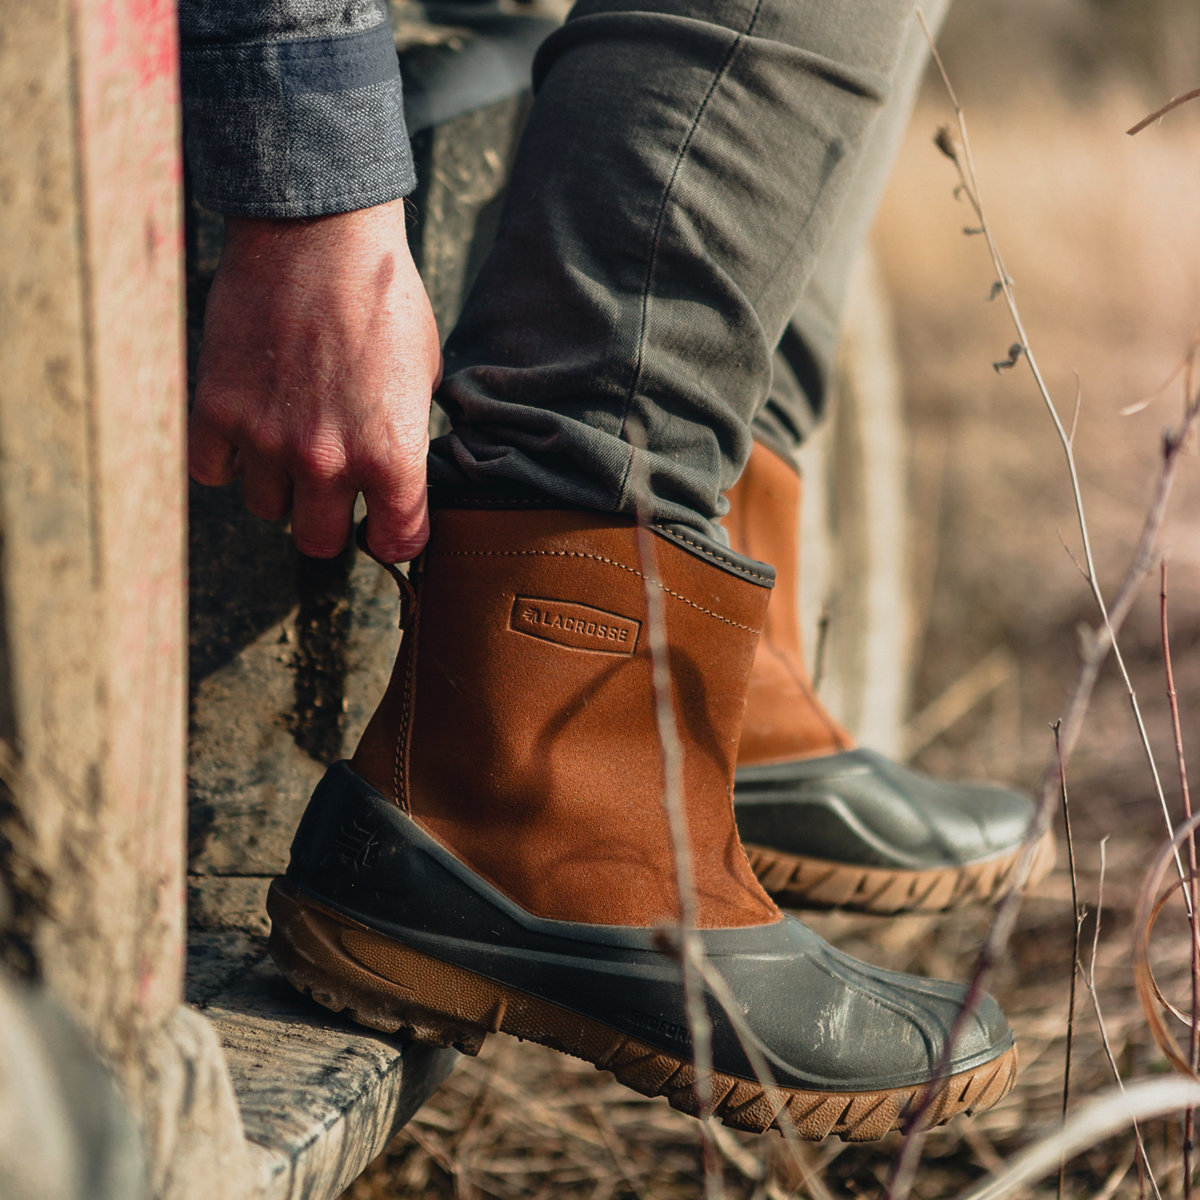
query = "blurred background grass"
x=1102 y=238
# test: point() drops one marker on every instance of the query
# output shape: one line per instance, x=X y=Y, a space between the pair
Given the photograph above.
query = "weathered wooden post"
x=91 y=591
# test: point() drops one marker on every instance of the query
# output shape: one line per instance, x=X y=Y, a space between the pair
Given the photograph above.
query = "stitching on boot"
x=401 y=799
x=718 y=558
x=612 y=562
x=404 y=737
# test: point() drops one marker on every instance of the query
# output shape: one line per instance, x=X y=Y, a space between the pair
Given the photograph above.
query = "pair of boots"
x=498 y=856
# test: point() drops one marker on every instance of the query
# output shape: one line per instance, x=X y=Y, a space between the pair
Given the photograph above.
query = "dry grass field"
x=1103 y=242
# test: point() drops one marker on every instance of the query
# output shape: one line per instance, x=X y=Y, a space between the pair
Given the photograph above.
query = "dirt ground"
x=1101 y=238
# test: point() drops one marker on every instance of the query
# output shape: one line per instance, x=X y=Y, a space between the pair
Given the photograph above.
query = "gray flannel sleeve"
x=292 y=108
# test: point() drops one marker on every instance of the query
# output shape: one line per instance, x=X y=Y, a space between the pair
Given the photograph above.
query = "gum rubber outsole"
x=379 y=982
x=797 y=882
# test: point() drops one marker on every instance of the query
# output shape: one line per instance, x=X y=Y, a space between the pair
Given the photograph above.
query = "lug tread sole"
x=798 y=882
x=383 y=984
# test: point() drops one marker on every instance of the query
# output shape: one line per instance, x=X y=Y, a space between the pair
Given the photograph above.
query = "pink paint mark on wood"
x=157 y=49
x=108 y=26
x=138 y=35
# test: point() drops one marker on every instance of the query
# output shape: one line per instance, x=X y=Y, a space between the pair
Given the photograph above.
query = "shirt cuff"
x=296 y=128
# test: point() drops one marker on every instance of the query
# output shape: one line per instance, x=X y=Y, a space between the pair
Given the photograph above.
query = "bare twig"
x=1095 y=647
x=1159 y=113
x=1062 y=541
x=698 y=972
x=773 y=1094
x=1079 y=914
x=959 y=152
x=1147 y=913
x=699 y=975
x=1183 y=367
x=1102 y=1117
x=1075 y=410
x=1090 y=983
x=818 y=671
x=1189 y=1119
x=690 y=946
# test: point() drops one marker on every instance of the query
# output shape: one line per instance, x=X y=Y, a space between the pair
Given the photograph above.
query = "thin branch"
x=1090 y=984
x=959 y=152
x=1147 y=912
x=818 y=671
x=698 y=973
x=774 y=1095
x=1158 y=114
x=1075 y=410
x=1095 y=647
x=1079 y=914
x=1183 y=367
x=1189 y=1119
x=1104 y=1116
x=690 y=945
x=1062 y=541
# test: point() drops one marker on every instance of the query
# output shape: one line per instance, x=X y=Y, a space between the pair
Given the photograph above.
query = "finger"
x=322 y=515
x=266 y=487
x=397 y=520
x=212 y=457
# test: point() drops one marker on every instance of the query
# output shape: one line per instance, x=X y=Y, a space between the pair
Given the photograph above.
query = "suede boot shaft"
x=784 y=719
x=534 y=753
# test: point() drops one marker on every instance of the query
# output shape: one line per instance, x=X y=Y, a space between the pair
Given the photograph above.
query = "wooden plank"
x=320 y=1097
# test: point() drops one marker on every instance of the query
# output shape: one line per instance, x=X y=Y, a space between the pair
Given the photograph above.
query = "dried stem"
x=1102 y=1117
x=690 y=945
x=818 y=671
x=960 y=154
x=699 y=973
x=773 y=1094
x=1095 y=648
x=1189 y=1119
x=1159 y=113
x=1090 y=983
x=1148 y=910
x=1079 y=914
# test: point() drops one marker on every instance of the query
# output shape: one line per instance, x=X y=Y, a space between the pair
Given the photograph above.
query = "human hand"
x=319 y=360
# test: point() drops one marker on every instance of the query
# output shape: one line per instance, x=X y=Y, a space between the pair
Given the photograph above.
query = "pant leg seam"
x=722 y=70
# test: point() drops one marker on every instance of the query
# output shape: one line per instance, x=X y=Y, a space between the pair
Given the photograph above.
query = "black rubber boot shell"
x=824 y=1022
x=859 y=807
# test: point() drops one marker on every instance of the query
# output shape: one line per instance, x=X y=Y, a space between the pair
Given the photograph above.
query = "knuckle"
x=321 y=459
x=217 y=407
x=396 y=462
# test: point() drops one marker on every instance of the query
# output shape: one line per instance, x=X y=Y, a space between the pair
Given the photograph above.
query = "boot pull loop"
x=408 y=594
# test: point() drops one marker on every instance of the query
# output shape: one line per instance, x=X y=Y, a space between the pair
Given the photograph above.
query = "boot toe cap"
x=854 y=1027
x=859 y=807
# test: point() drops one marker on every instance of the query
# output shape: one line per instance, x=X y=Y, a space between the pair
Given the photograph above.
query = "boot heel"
x=338 y=962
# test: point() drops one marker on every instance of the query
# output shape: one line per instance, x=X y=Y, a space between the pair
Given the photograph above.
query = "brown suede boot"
x=785 y=719
x=497 y=857
x=533 y=752
x=827 y=824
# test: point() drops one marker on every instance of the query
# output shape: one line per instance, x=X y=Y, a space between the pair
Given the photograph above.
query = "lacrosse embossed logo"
x=576 y=626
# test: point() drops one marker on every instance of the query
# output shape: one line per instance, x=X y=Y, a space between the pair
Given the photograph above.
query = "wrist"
x=380 y=223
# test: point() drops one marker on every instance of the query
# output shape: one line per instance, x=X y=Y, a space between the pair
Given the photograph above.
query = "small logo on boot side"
x=658 y=1027
x=576 y=626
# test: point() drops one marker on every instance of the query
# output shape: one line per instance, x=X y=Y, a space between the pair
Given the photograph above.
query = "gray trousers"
x=693 y=187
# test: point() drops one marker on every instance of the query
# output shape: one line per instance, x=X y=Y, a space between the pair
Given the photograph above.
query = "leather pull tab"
x=408 y=594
